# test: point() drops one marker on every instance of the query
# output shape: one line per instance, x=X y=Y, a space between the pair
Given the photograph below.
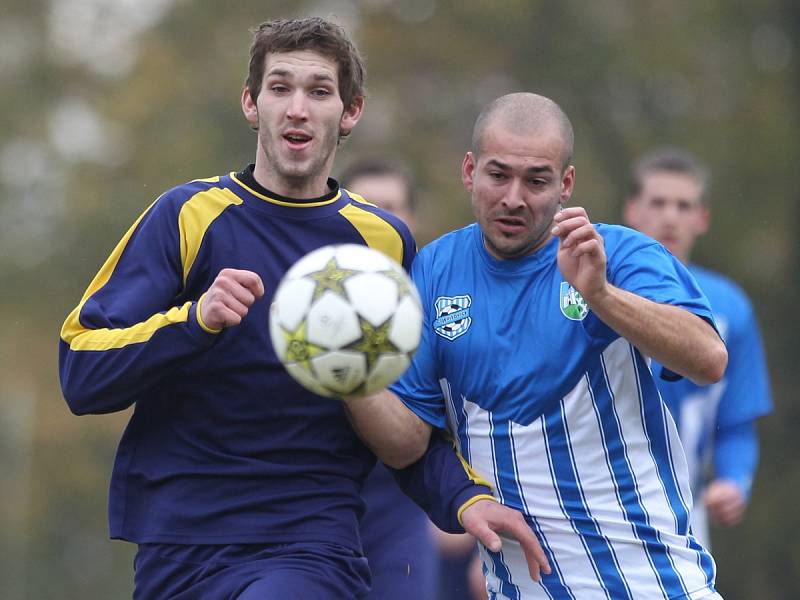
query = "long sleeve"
x=442 y=483
x=132 y=327
x=736 y=455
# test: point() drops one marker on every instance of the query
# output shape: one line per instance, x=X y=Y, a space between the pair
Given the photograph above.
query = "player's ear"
x=703 y=220
x=352 y=114
x=567 y=185
x=249 y=108
x=468 y=170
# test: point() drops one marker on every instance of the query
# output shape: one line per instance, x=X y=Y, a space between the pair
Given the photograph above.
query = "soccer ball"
x=345 y=320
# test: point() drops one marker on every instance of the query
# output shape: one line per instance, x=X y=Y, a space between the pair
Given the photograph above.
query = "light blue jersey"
x=562 y=415
x=715 y=422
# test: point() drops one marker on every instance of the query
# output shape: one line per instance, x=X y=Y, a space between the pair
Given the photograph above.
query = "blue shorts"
x=249 y=572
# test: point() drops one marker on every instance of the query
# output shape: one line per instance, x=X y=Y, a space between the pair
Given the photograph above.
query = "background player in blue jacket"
x=669 y=202
x=537 y=325
x=234 y=481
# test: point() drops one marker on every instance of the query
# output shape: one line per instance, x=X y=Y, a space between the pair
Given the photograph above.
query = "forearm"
x=105 y=369
x=736 y=455
x=442 y=483
x=393 y=432
x=676 y=338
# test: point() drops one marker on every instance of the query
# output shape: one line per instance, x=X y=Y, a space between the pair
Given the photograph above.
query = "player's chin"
x=510 y=247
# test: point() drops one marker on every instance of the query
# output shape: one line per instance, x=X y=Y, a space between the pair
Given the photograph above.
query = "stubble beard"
x=294 y=173
x=507 y=248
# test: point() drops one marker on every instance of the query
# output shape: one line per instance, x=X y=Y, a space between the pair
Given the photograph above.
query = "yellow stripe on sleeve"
x=378 y=234
x=109 y=339
x=196 y=215
x=473 y=476
x=72 y=326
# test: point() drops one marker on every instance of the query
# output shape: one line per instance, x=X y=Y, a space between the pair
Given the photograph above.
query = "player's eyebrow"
x=493 y=162
x=279 y=72
x=533 y=169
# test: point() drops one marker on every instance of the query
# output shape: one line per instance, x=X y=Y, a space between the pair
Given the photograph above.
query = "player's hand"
x=725 y=502
x=229 y=298
x=581 y=252
x=486 y=518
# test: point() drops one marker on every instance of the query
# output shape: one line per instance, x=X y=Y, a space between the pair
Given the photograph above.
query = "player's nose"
x=297 y=109
x=513 y=196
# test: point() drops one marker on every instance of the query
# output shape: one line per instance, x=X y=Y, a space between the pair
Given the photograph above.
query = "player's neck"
x=301 y=187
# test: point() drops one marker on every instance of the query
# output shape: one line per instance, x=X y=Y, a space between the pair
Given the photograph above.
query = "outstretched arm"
x=678 y=339
x=391 y=430
x=457 y=499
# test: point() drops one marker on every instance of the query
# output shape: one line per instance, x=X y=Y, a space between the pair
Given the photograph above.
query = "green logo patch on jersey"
x=573 y=306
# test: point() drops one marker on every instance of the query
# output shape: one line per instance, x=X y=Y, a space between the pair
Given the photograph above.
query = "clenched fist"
x=229 y=298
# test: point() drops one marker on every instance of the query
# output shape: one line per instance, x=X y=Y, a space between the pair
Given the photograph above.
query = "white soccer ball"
x=345 y=320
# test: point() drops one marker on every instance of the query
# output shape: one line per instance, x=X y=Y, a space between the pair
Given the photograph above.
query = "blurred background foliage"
x=107 y=103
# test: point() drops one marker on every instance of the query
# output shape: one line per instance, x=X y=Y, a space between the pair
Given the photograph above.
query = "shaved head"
x=526 y=114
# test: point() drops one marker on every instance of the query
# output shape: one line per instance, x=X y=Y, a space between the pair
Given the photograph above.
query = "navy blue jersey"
x=223 y=446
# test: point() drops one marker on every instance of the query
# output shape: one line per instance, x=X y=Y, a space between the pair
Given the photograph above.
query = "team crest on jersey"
x=452 y=316
x=573 y=306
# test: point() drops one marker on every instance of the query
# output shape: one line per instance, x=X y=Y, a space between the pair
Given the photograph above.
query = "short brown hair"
x=378 y=167
x=670 y=160
x=315 y=34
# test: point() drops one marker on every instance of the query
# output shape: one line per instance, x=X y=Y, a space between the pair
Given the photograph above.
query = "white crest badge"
x=452 y=316
x=573 y=306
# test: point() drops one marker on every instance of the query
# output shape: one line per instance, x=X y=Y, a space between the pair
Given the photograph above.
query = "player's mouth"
x=510 y=225
x=297 y=140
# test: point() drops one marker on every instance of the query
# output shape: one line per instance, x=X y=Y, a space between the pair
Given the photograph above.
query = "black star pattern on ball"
x=374 y=341
x=298 y=349
x=332 y=278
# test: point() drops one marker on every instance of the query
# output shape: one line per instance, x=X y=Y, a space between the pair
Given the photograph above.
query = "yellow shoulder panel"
x=378 y=234
x=360 y=198
x=196 y=215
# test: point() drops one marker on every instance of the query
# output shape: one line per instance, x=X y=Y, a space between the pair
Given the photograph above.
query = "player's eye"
x=320 y=93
